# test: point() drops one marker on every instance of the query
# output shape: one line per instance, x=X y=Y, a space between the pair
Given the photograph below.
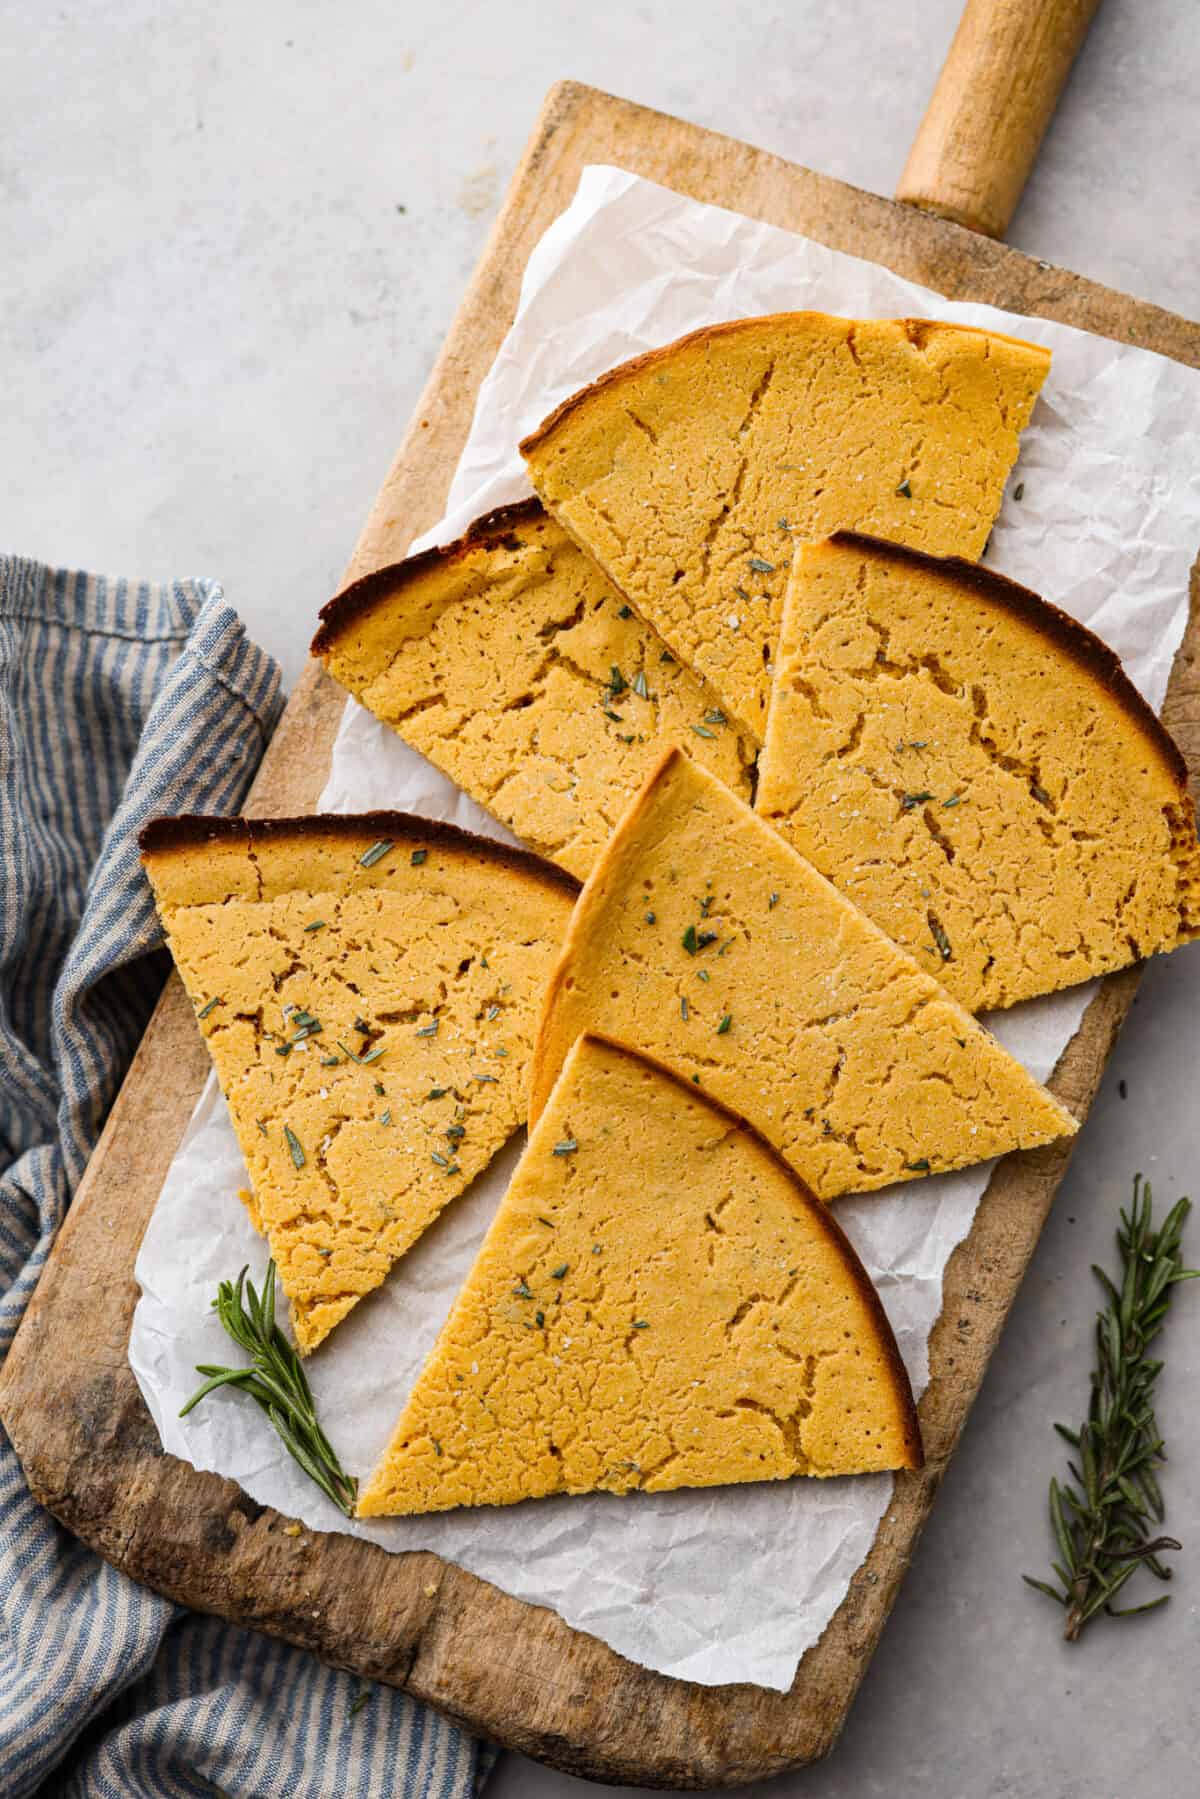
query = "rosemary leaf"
x=1103 y=1530
x=277 y=1383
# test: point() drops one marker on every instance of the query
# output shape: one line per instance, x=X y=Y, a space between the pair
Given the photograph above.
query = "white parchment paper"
x=724 y=1585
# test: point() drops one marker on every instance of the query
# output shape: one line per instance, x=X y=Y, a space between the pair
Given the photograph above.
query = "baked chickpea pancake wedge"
x=705 y=939
x=511 y=661
x=975 y=771
x=660 y=1302
x=368 y=988
x=689 y=473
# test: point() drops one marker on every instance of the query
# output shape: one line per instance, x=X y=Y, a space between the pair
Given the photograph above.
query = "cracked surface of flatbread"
x=690 y=473
x=658 y=1303
x=369 y=1011
x=975 y=771
x=511 y=661
x=702 y=937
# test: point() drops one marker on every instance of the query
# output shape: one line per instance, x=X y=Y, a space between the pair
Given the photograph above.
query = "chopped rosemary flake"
x=694 y=941
x=651 y=917
x=596 y=1248
x=641 y=1324
x=521 y=1291
x=492 y=1012
x=639 y=685
x=385 y=1117
x=428 y=1030
x=940 y=938
x=499 y=1050
x=283 y=1049
x=559 y=1273
x=783 y=525
x=437 y=1448
x=372 y=1055
x=624 y=611
x=379 y=1087
x=440 y=1159
x=455 y=1132
x=919 y=1167
x=615 y=716
x=742 y=594
x=761 y=566
x=417 y=857
x=772 y=901
x=912 y=800
x=539 y=1318
x=294 y=1144
x=262 y=1129
x=205 y=1010
x=440 y=1092
x=482 y=1078
x=376 y=853
x=703 y=731
x=1039 y=794
x=702 y=974
x=567 y=1147
x=956 y=799
x=331 y=1062
x=318 y=924
x=1019 y=491
x=454 y=1168
x=905 y=489
x=616 y=681
x=696 y=1078
x=629 y=739
x=715 y=717
x=683 y=1010
x=724 y=1024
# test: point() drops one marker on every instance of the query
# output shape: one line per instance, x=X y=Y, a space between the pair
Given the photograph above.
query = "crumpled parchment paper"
x=722 y=1585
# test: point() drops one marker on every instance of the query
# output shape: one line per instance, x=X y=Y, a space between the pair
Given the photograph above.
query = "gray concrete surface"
x=232 y=237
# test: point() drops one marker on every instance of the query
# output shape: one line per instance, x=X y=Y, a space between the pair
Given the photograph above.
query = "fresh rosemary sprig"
x=277 y=1382
x=1103 y=1524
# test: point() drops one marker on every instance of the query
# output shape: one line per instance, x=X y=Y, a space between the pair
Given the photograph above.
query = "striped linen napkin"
x=120 y=700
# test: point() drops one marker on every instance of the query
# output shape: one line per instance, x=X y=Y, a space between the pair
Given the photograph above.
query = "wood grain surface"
x=68 y=1397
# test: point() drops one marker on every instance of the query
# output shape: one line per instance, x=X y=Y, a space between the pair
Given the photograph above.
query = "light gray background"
x=232 y=237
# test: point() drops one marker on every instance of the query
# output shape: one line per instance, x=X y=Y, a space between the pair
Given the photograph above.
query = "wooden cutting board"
x=513 y=1671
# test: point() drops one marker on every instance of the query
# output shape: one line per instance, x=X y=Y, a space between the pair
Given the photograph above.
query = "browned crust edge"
x=344 y=610
x=194 y=830
x=821 y=1213
x=914 y=328
x=1084 y=648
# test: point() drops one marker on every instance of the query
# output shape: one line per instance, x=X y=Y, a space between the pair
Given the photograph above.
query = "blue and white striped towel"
x=120 y=700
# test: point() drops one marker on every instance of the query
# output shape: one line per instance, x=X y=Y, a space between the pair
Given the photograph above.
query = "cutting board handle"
x=997 y=90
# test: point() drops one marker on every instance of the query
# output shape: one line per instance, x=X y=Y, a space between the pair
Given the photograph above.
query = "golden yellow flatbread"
x=689 y=473
x=659 y=1303
x=974 y=769
x=367 y=988
x=512 y=662
x=702 y=937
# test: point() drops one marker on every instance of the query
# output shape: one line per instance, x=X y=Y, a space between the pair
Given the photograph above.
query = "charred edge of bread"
x=916 y=330
x=494 y=528
x=192 y=830
x=1085 y=649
